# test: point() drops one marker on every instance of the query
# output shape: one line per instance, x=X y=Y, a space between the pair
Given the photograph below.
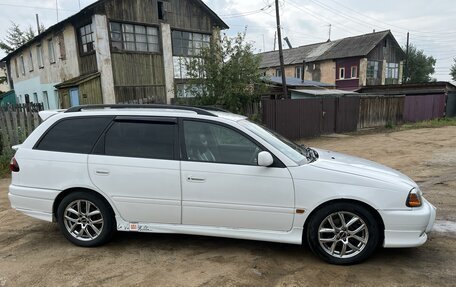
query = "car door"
x=136 y=163
x=223 y=186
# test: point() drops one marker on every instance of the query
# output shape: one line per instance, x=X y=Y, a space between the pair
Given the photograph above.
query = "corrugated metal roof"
x=343 y=48
x=323 y=92
x=296 y=82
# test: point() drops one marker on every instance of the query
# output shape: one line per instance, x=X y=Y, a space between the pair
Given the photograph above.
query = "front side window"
x=287 y=147
x=129 y=37
x=141 y=140
x=189 y=44
x=206 y=142
x=74 y=135
x=86 y=38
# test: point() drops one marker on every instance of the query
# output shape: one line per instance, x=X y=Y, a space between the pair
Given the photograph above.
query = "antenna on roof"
x=37 y=24
x=288 y=42
x=79 y=1
x=57 y=9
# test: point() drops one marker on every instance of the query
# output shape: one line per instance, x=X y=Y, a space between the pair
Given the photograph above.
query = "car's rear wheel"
x=85 y=219
x=343 y=233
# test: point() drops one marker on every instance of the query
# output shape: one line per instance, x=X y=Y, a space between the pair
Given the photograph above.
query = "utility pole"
x=405 y=72
x=279 y=37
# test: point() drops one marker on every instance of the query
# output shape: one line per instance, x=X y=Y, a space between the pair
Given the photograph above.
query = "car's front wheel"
x=85 y=219
x=343 y=233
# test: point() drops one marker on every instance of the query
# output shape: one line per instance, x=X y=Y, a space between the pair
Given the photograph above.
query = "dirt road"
x=33 y=253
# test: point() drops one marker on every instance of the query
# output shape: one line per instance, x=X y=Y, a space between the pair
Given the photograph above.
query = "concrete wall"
x=42 y=79
x=324 y=71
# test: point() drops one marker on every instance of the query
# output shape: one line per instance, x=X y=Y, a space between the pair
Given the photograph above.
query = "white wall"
x=44 y=79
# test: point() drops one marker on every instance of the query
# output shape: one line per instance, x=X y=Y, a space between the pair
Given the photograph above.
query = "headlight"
x=414 y=198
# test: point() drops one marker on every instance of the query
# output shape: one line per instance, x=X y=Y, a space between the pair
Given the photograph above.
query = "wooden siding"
x=182 y=14
x=145 y=94
x=90 y=92
x=378 y=111
x=391 y=52
x=138 y=76
x=130 y=69
x=88 y=64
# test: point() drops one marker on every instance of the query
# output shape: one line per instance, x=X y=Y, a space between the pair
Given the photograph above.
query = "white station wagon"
x=174 y=169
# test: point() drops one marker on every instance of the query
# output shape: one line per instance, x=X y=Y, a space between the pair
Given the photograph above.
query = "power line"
x=35 y=7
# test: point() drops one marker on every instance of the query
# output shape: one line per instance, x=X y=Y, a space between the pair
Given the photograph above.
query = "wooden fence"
x=17 y=122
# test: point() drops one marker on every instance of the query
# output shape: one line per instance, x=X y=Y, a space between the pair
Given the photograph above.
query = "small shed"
x=82 y=90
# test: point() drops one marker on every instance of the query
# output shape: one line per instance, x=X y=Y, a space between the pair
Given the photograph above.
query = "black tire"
x=101 y=220
x=322 y=243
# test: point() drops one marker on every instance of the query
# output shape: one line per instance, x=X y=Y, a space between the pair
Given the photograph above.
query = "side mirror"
x=265 y=159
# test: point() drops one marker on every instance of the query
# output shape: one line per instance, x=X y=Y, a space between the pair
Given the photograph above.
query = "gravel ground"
x=34 y=253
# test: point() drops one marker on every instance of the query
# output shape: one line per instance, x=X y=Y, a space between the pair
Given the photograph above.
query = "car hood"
x=347 y=164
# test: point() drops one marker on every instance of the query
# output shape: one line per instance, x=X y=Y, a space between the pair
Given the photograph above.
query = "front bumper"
x=408 y=228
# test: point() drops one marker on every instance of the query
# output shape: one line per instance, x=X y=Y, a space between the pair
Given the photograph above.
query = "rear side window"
x=141 y=139
x=74 y=135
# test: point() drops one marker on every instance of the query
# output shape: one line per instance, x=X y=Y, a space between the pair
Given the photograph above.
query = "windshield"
x=299 y=154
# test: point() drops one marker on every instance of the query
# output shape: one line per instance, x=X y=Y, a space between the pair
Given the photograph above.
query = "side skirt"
x=294 y=236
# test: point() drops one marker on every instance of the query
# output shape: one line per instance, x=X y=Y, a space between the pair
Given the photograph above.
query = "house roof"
x=356 y=46
x=418 y=88
x=324 y=92
x=295 y=82
x=88 y=10
x=77 y=81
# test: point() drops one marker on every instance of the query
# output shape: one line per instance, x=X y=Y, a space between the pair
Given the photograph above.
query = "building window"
x=39 y=56
x=161 y=10
x=278 y=72
x=30 y=61
x=372 y=70
x=187 y=91
x=130 y=37
x=189 y=44
x=51 y=51
x=35 y=97
x=86 y=38
x=392 y=71
x=354 y=72
x=298 y=72
x=45 y=100
x=22 y=65
x=341 y=73
x=16 y=68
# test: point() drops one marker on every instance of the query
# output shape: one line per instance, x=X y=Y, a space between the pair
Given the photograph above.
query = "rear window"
x=74 y=135
x=141 y=139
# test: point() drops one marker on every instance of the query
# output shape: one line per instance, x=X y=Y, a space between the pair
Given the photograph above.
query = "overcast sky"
x=430 y=23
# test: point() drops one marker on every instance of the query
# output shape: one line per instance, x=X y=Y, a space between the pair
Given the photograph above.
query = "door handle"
x=195 y=179
x=102 y=172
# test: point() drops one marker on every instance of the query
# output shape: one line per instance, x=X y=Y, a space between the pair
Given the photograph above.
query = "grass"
x=437 y=123
x=5 y=159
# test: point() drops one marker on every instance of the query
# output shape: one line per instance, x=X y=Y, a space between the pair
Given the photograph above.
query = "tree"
x=16 y=37
x=225 y=74
x=419 y=66
x=453 y=70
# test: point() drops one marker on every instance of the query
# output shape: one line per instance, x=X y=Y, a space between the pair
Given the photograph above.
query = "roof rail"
x=200 y=111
